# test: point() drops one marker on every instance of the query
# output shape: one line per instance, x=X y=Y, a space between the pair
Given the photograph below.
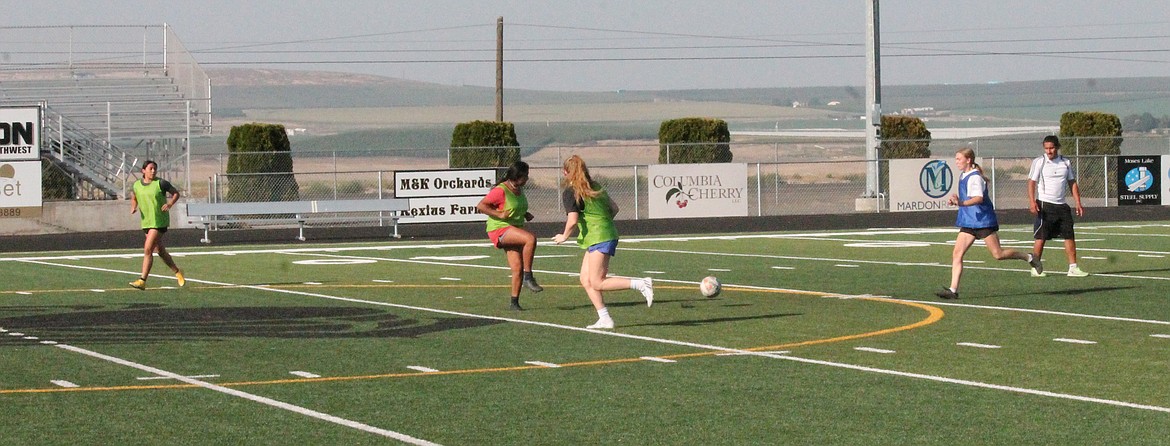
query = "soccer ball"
x=710 y=286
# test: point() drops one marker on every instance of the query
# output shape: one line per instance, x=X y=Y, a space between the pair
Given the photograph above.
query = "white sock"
x=1029 y=257
x=953 y=290
x=637 y=284
x=603 y=314
x=1072 y=265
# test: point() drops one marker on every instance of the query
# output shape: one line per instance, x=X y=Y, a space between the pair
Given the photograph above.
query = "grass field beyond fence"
x=828 y=337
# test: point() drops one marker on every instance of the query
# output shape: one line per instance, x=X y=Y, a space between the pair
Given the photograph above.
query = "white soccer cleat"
x=1074 y=271
x=647 y=291
x=602 y=324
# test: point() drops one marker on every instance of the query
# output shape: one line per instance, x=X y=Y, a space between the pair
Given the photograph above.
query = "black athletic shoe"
x=946 y=293
x=515 y=307
x=530 y=283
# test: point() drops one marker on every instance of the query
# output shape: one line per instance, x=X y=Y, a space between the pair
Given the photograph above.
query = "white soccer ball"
x=710 y=286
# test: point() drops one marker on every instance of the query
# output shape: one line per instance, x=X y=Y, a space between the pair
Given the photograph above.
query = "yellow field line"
x=934 y=315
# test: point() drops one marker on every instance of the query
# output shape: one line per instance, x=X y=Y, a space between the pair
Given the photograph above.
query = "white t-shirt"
x=975 y=183
x=1051 y=177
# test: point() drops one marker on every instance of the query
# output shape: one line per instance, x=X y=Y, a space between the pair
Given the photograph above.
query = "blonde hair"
x=970 y=155
x=577 y=178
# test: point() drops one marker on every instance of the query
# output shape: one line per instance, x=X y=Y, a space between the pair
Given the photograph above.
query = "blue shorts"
x=608 y=247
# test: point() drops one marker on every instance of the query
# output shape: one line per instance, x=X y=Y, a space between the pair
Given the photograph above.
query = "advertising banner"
x=443 y=209
x=443 y=183
x=443 y=195
x=921 y=184
x=1138 y=179
x=698 y=190
x=20 y=189
x=1165 y=180
x=20 y=133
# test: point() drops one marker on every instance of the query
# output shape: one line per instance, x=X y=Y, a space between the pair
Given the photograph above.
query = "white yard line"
x=251 y=397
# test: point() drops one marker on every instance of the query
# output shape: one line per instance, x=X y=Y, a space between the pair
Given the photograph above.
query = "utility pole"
x=500 y=69
x=873 y=100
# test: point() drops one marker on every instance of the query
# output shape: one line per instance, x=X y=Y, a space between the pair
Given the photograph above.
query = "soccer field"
x=828 y=337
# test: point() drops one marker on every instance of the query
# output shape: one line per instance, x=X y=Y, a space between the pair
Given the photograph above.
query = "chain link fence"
x=800 y=177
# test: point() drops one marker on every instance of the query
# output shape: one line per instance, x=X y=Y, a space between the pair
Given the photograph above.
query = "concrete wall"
x=59 y=217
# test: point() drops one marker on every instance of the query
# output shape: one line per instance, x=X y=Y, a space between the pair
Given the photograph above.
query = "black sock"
x=528 y=275
x=515 y=300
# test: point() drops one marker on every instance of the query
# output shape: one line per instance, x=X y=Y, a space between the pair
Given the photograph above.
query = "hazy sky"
x=645 y=44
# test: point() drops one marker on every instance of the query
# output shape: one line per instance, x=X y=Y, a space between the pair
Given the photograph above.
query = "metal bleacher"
x=144 y=97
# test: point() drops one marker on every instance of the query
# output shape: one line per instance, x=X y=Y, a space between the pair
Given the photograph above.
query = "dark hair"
x=149 y=162
x=1052 y=139
x=518 y=170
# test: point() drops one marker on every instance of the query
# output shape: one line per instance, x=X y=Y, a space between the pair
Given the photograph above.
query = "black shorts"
x=160 y=230
x=980 y=233
x=1053 y=221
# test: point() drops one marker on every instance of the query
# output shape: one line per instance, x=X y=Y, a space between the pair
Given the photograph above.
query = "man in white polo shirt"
x=1054 y=218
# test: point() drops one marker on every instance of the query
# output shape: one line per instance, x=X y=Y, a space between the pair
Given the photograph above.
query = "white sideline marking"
x=26 y=293
x=1151 y=256
x=382 y=281
x=63 y=383
x=31 y=338
x=147 y=378
x=721 y=270
x=312 y=283
x=874 y=350
x=15 y=334
x=843 y=265
x=657 y=359
x=98 y=291
x=1163 y=336
x=542 y=364
x=1094 y=258
x=256 y=398
x=454 y=279
x=654 y=272
x=421 y=368
x=304 y=374
x=783 y=267
x=49 y=342
x=977 y=345
x=1074 y=341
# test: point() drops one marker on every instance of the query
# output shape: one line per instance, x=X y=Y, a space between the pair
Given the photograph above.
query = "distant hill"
x=238 y=89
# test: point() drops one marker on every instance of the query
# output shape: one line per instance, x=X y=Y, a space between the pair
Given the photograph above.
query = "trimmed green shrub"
x=694 y=140
x=260 y=164
x=1091 y=133
x=484 y=144
x=902 y=137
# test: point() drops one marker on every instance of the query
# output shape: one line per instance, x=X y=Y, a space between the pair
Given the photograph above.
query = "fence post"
x=759 y=193
x=993 y=188
x=637 y=209
x=1105 y=163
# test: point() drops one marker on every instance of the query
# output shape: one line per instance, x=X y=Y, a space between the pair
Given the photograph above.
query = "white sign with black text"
x=443 y=210
x=20 y=133
x=443 y=183
x=698 y=190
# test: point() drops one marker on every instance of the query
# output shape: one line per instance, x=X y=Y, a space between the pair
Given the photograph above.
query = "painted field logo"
x=935 y=179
